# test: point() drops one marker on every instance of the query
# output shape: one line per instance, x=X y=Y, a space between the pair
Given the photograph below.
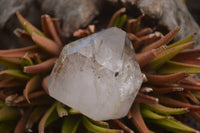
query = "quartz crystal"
x=97 y=75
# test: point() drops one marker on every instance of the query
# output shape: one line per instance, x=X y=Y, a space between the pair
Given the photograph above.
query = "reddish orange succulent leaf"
x=19 y=52
x=42 y=122
x=32 y=84
x=165 y=79
x=189 y=56
x=175 y=103
x=84 y=32
x=189 y=95
x=189 y=87
x=140 y=42
x=137 y=119
x=33 y=95
x=133 y=37
x=144 y=32
x=167 y=55
x=34 y=117
x=10 y=83
x=44 y=67
x=146 y=40
x=190 y=81
x=58 y=29
x=122 y=126
x=165 y=90
x=22 y=34
x=163 y=41
x=42 y=101
x=45 y=84
x=146 y=57
x=20 y=127
x=129 y=25
x=115 y=15
x=52 y=30
x=143 y=98
x=46 y=44
x=28 y=26
x=44 y=26
x=136 y=25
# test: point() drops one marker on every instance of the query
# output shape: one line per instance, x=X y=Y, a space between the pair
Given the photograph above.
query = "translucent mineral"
x=97 y=75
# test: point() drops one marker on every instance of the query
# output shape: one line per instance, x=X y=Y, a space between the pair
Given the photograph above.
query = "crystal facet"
x=97 y=75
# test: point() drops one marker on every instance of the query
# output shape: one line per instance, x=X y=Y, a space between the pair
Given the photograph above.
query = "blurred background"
x=163 y=15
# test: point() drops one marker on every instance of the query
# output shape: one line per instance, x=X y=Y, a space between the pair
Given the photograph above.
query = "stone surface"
x=98 y=75
x=172 y=13
x=9 y=21
x=8 y=9
x=72 y=13
x=193 y=6
x=168 y=13
x=79 y=13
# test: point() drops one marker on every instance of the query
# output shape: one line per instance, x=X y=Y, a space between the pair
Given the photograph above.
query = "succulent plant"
x=169 y=94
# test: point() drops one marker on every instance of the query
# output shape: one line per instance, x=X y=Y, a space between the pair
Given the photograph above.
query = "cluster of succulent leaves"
x=169 y=94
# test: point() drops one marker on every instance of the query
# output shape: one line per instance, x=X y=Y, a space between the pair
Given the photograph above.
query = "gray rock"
x=9 y=7
x=72 y=13
x=194 y=8
x=9 y=21
x=79 y=13
x=168 y=13
x=171 y=13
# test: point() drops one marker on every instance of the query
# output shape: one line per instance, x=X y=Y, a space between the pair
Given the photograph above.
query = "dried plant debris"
x=168 y=92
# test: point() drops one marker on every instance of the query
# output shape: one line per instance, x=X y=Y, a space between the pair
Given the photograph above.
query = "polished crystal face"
x=97 y=75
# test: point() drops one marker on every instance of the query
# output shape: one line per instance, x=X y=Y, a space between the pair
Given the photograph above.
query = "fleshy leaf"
x=15 y=73
x=20 y=127
x=44 y=67
x=28 y=26
x=73 y=112
x=10 y=62
x=61 y=110
x=165 y=79
x=52 y=30
x=94 y=128
x=71 y=124
x=163 y=41
x=9 y=114
x=34 y=117
x=100 y=123
x=46 y=120
x=138 y=120
x=164 y=110
x=185 y=40
x=146 y=113
x=46 y=44
x=32 y=85
x=174 y=67
x=115 y=16
x=19 y=52
x=122 y=21
x=174 y=126
x=167 y=55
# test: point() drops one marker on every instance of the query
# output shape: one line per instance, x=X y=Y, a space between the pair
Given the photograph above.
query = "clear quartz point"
x=97 y=75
